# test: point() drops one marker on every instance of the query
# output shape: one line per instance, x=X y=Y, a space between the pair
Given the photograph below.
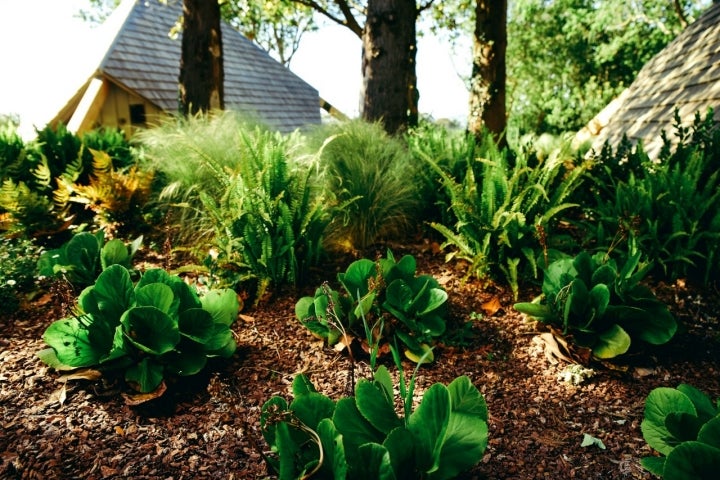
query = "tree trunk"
x=388 y=65
x=487 y=85
x=201 y=64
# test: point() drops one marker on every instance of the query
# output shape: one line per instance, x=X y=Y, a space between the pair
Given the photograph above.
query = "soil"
x=53 y=426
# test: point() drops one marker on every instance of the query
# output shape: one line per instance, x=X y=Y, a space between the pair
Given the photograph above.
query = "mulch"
x=52 y=427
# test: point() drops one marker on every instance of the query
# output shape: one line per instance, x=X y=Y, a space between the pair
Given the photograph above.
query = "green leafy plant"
x=388 y=295
x=373 y=177
x=363 y=436
x=504 y=208
x=84 y=256
x=667 y=208
x=601 y=306
x=18 y=259
x=150 y=330
x=683 y=425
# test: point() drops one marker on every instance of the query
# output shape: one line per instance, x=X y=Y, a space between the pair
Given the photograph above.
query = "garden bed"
x=209 y=428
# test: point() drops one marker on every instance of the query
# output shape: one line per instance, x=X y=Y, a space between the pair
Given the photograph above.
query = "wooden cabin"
x=136 y=80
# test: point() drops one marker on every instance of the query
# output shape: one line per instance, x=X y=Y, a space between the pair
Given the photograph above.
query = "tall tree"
x=201 y=63
x=389 y=41
x=487 y=82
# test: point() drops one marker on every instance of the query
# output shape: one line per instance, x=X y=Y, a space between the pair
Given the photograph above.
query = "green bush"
x=363 y=437
x=601 y=306
x=244 y=190
x=375 y=180
x=683 y=425
x=154 y=329
x=505 y=208
x=669 y=208
x=18 y=258
x=382 y=301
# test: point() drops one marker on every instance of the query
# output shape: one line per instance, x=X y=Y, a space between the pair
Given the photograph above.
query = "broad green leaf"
x=114 y=252
x=311 y=408
x=654 y=465
x=535 y=310
x=373 y=461
x=605 y=274
x=184 y=363
x=400 y=444
x=434 y=299
x=335 y=465
x=69 y=339
x=220 y=338
x=428 y=424
x=692 y=461
x=187 y=296
x=222 y=304
x=611 y=343
x=399 y=295
x=599 y=298
x=683 y=426
x=589 y=440
x=465 y=398
x=659 y=403
x=710 y=433
x=463 y=446
x=197 y=324
x=356 y=277
x=150 y=330
x=705 y=409
x=157 y=295
x=384 y=380
x=287 y=452
x=579 y=298
x=111 y=295
x=372 y=403
x=353 y=427
x=145 y=376
x=432 y=324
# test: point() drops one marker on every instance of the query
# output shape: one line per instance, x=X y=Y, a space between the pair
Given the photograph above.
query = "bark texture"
x=388 y=65
x=487 y=85
x=201 y=64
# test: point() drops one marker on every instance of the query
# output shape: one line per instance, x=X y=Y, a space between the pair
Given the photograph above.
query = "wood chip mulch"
x=54 y=428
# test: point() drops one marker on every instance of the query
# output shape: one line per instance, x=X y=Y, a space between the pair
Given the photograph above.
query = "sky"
x=45 y=52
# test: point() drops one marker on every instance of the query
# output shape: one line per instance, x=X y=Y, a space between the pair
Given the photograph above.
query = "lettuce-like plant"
x=363 y=436
x=600 y=306
x=85 y=255
x=683 y=425
x=158 y=327
x=388 y=292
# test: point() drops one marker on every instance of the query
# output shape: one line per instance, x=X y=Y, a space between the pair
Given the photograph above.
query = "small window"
x=137 y=114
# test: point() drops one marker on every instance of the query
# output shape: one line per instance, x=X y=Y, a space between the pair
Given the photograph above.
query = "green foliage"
x=373 y=177
x=156 y=328
x=684 y=426
x=668 y=209
x=601 y=306
x=18 y=258
x=386 y=298
x=505 y=208
x=247 y=191
x=363 y=436
x=84 y=256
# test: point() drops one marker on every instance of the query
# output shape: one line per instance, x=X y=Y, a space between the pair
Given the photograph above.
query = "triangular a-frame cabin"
x=685 y=76
x=137 y=77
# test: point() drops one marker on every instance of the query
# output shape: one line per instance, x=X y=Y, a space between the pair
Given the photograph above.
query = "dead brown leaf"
x=492 y=306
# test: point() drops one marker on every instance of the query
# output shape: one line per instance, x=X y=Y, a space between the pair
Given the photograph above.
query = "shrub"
x=505 y=207
x=601 y=306
x=18 y=258
x=363 y=436
x=156 y=328
x=375 y=180
x=386 y=299
x=668 y=209
x=683 y=425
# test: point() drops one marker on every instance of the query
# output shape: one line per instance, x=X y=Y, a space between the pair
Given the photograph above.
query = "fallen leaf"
x=84 y=374
x=246 y=318
x=492 y=306
x=140 y=398
x=119 y=430
x=589 y=440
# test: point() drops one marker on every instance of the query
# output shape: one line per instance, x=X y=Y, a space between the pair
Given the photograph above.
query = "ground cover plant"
x=210 y=423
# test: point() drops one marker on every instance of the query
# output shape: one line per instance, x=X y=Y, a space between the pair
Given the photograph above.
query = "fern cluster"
x=505 y=209
x=667 y=208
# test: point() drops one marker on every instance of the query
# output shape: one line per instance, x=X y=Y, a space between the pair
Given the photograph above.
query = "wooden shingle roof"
x=145 y=60
x=683 y=76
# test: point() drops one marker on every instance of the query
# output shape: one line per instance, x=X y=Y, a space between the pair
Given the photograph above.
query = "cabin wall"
x=126 y=111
